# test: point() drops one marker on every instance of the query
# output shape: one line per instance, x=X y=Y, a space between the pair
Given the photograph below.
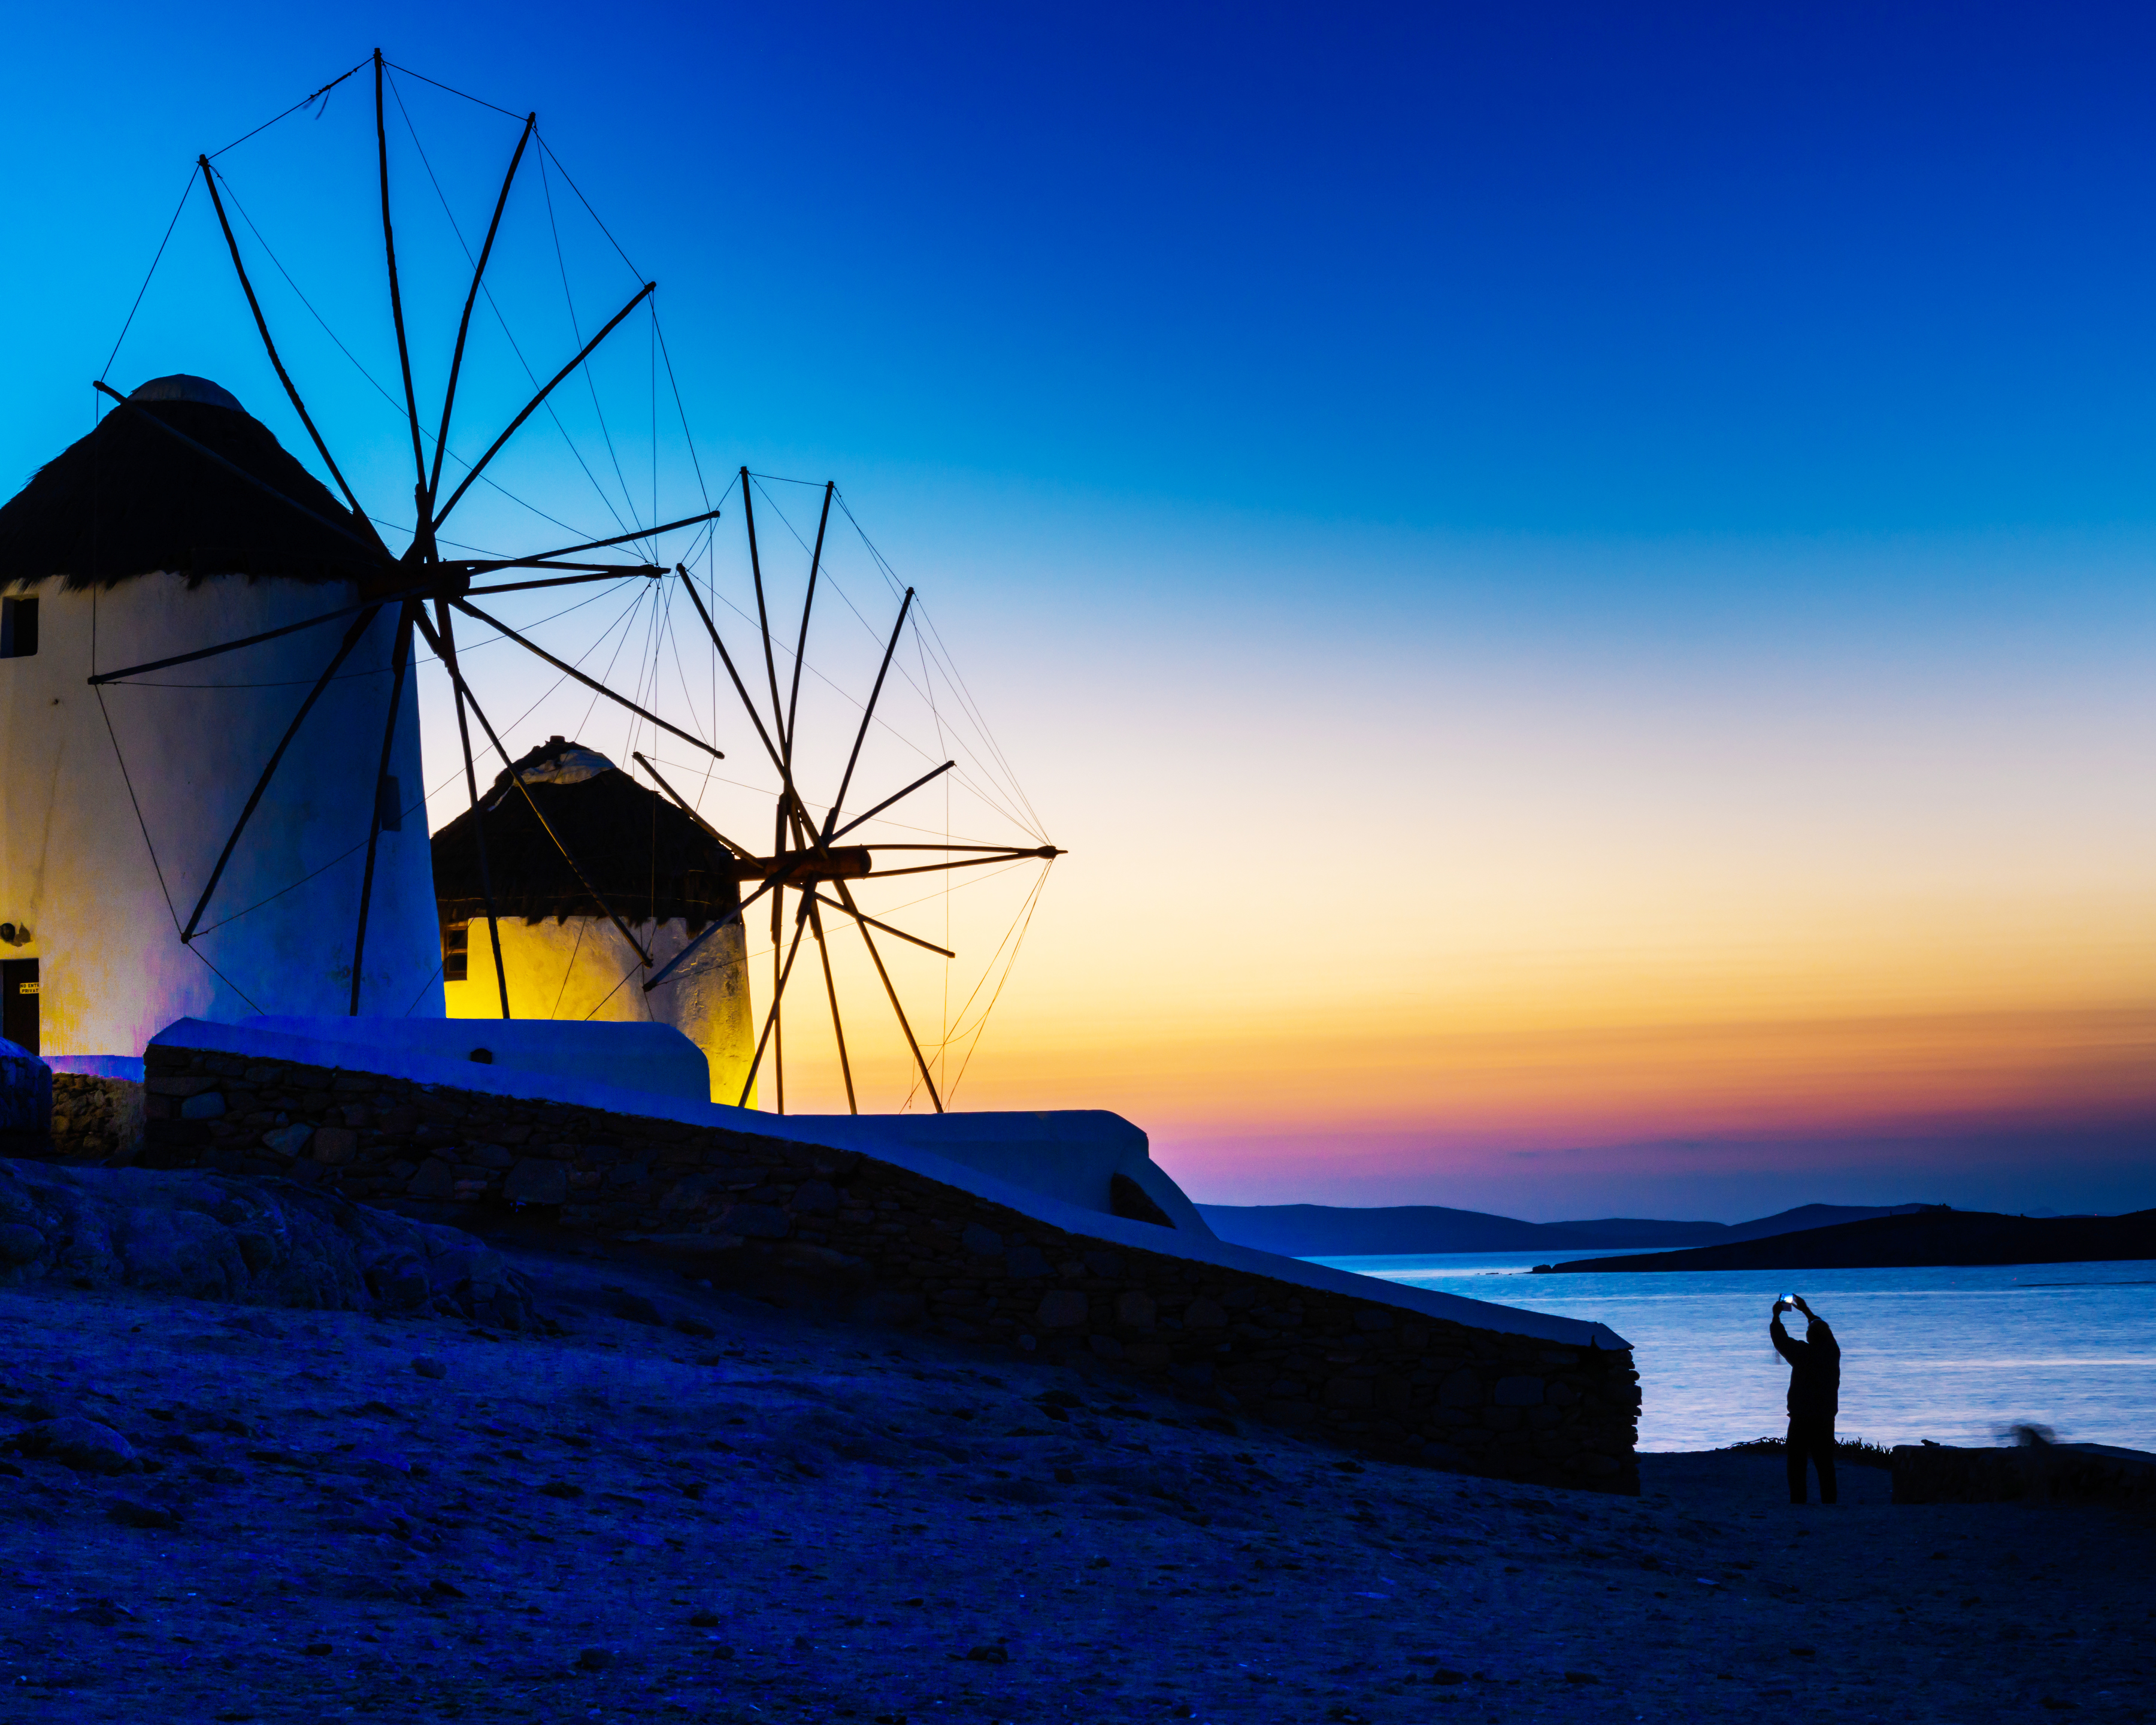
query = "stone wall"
x=97 y=1119
x=908 y=1248
x=2032 y=1471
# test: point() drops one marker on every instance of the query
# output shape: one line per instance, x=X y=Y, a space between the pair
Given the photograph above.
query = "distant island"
x=1318 y=1230
x=1934 y=1235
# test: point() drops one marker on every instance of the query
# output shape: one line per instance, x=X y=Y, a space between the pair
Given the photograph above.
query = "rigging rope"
x=587 y=203
x=947 y=665
x=569 y=970
x=304 y=102
x=1035 y=826
x=455 y=772
x=1033 y=904
x=688 y=436
x=411 y=128
x=455 y=544
x=611 y=663
x=1026 y=912
x=688 y=699
x=438 y=84
x=576 y=329
x=742 y=784
x=1035 y=829
x=655 y=419
x=935 y=713
x=136 y=802
x=424 y=986
x=651 y=638
x=547 y=153
x=396 y=405
x=154 y=262
x=156 y=867
x=492 y=306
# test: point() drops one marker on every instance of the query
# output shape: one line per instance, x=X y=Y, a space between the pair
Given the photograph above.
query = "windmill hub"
x=803 y=868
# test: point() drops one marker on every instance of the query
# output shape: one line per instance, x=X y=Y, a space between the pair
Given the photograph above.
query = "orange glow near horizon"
x=1395 y=1075
x=1530 y=899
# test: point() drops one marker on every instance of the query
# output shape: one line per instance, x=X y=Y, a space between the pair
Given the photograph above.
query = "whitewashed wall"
x=73 y=866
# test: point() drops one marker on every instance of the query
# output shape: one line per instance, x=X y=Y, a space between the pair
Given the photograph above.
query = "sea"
x=1960 y=1356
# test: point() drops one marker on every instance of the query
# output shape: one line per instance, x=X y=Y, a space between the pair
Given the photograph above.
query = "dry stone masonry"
x=2035 y=1471
x=903 y=1248
x=96 y=1119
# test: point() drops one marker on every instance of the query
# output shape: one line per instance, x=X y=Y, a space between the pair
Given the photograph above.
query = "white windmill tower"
x=150 y=869
x=651 y=878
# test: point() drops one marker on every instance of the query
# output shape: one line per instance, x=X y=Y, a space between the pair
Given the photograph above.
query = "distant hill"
x=1935 y=1235
x=1318 y=1230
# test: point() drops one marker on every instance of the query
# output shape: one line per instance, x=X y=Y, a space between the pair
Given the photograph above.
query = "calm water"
x=1955 y=1355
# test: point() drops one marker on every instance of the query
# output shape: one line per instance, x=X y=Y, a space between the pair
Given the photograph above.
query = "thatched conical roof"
x=648 y=858
x=130 y=499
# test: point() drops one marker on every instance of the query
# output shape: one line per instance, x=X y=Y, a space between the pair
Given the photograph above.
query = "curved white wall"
x=576 y=969
x=73 y=866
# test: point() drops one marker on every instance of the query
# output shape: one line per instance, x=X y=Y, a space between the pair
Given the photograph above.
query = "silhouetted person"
x=1814 y=1395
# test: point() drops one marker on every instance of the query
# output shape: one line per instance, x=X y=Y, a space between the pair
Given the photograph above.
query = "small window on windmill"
x=455 y=951
x=389 y=800
x=18 y=628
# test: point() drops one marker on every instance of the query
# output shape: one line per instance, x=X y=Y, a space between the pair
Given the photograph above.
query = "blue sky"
x=1564 y=271
x=1674 y=484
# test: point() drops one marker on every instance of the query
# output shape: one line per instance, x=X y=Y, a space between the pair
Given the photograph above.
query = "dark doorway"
x=18 y=1010
x=18 y=628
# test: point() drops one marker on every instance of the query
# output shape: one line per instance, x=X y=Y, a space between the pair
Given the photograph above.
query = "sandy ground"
x=792 y=1519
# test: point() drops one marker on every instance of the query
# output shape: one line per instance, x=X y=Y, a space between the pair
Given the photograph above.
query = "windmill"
x=400 y=604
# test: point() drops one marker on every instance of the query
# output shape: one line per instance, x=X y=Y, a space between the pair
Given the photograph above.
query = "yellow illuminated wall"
x=580 y=967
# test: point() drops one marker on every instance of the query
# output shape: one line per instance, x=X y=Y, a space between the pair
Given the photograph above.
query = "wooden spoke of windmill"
x=803 y=855
x=421 y=576
x=424 y=589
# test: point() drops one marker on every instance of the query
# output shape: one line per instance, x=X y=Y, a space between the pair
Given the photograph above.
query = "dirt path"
x=786 y=1519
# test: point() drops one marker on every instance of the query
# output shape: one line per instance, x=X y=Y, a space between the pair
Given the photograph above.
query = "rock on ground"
x=257 y=1242
x=82 y=1445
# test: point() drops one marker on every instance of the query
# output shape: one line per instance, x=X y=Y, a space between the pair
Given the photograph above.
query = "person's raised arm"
x=1780 y=1336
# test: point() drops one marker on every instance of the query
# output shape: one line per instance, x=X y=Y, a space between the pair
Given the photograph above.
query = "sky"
x=1575 y=583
